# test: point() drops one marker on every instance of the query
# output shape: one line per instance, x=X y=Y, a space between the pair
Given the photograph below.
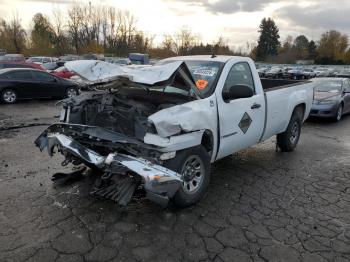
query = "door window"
x=240 y=74
x=41 y=76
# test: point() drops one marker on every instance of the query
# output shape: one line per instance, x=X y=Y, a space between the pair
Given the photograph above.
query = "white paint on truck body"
x=223 y=118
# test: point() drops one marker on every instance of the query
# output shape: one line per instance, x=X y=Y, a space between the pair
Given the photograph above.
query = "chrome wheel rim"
x=294 y=133
x=339 y=113
x=9 y=96
x=192 y=174
x=71 y=92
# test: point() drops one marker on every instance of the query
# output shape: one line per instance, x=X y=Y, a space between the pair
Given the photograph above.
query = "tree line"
x=331 y=48
x=86 y=28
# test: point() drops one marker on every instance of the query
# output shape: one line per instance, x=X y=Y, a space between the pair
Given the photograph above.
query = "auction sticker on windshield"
x=201 y=84
x=204 y=71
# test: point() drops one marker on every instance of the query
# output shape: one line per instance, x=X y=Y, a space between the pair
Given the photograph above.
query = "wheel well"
x=8 y=88
x=208 y=141
x=300 y=107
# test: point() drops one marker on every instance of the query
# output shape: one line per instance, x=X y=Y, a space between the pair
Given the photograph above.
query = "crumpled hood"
x=100 y=71
x=319 y=96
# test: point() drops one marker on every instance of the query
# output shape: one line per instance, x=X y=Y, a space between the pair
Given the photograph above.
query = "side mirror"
x=237 y=91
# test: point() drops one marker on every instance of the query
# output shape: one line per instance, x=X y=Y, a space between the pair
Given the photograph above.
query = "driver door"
x=48 y=84
x=241 y=120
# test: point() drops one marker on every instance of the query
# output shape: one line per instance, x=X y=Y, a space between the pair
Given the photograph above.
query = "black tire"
x=288 y=140
x=71 y=92
x=339 y=115
x=185 y=197
x=9 y=96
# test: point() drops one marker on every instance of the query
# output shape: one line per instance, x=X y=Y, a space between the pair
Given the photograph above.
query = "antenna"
x=213 y=52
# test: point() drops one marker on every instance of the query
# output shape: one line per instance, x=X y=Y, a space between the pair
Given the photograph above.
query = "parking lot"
x=261 y=205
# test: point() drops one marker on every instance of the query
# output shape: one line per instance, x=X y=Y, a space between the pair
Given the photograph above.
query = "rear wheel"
x=71 y=92
x=194 y=166
x=288 y=140
x=9 y=96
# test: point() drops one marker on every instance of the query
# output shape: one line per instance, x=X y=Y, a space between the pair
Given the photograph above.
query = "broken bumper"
x=159 y=182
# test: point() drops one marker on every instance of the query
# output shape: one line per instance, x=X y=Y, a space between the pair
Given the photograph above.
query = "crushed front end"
x=120 y=173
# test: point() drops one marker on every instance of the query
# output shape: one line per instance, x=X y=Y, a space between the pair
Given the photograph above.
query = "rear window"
x=35 y=59
x=19 y=75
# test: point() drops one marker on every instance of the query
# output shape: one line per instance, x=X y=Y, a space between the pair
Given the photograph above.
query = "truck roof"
x=219 y=58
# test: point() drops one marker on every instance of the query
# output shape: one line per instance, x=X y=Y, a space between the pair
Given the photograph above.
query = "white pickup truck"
x=158 y=129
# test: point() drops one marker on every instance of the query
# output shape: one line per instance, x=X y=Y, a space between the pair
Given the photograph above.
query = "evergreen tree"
x=301 y=46
x=268 y=43
x=42 y=35
x=312 y=50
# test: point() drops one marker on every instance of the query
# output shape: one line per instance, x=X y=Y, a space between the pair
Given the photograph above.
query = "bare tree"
x=184 y=41
x=168 y=42
x=75 y=25
x=13 y=36
x=58 y=27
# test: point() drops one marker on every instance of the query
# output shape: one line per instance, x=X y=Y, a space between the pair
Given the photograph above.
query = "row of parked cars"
x=41 y=77
x=55 y=66
x=301 y=73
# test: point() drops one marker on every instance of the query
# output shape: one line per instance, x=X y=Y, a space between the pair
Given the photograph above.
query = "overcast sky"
x=235 y=20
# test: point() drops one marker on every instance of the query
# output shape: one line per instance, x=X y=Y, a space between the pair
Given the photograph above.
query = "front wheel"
x=194 y=166
x=288 y=140
x=9 y=96
x=339 y=114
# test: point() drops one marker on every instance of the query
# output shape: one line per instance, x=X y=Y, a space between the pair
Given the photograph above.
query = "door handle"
x=255 y=106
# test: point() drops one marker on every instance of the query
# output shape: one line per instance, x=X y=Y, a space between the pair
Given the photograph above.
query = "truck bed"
x=275 y=84
x=281 y=98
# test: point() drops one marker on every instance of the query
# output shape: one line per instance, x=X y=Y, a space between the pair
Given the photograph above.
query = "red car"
x=63 y=72
x=19 y=64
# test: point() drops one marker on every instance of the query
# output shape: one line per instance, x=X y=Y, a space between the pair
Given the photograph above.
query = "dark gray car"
x=331 y=98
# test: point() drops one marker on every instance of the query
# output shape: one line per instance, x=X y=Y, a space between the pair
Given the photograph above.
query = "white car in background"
x=322 y=72
x=309 y=73
x=41 y=60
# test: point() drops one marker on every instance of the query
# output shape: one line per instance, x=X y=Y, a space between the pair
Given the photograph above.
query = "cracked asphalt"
x=261 y=205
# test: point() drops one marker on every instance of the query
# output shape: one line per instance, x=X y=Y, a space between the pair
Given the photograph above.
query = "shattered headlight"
x=167 y=156
x=151 y=128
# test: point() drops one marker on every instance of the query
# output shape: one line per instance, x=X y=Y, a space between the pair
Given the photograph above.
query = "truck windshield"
x=204 y=73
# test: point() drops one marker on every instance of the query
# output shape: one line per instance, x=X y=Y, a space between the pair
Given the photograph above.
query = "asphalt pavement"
x=261 y=205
